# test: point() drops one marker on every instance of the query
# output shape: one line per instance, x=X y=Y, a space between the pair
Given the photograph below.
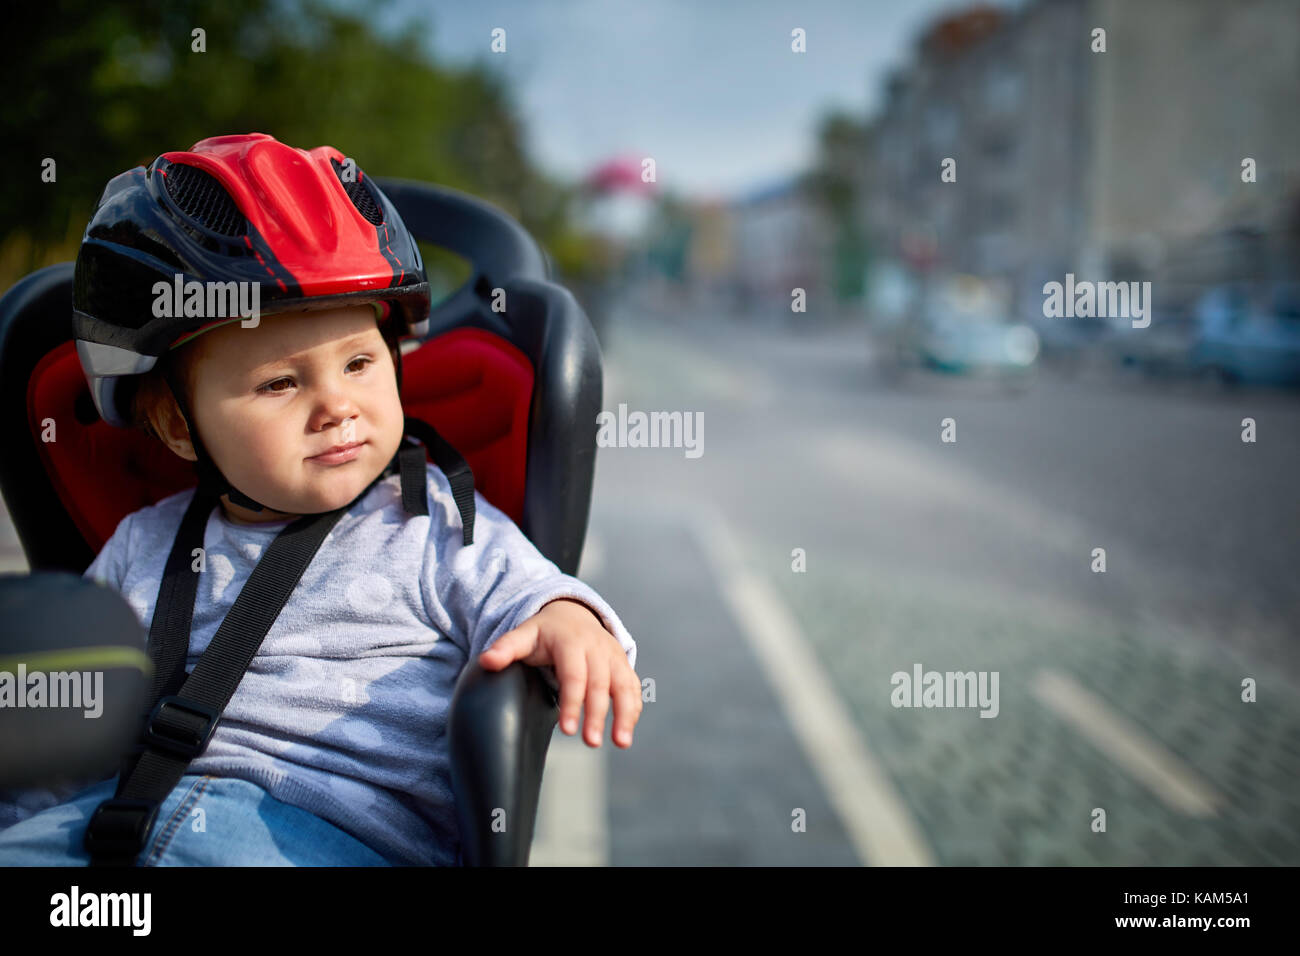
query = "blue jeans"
x=205 y=821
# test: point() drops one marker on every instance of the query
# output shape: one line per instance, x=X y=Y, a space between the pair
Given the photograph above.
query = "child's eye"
x=269 y=386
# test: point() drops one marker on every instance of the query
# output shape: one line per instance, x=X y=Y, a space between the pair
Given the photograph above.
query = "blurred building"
x=1186 y=90
x=780 y=243
x=1004 y=97
x=1110 y=165
x=710 y=259
x=1055 y=62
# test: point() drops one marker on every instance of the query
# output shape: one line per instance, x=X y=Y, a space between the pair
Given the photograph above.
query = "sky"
x=710 y=90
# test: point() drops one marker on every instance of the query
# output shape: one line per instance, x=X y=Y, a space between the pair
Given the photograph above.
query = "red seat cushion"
x=471 y=385
x=476 y=389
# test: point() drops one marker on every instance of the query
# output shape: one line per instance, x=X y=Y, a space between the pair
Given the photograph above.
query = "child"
x=332 y=750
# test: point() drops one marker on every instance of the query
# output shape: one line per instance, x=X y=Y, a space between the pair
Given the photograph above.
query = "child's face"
x=269 y=400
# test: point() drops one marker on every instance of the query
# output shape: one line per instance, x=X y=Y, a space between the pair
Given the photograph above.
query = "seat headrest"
x=474 y=387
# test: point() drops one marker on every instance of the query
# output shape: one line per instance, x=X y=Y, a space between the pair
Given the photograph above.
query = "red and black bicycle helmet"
x=306 y=225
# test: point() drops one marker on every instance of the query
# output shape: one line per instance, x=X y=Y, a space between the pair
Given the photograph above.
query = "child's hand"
x=588 y=661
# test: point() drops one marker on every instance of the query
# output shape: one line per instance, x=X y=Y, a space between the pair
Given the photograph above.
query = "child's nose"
x=334 y=406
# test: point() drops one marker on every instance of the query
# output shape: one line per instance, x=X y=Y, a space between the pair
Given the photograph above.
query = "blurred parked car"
x=890 y=294
x=1249 y=333
x=962 y=326
x=1164 y=348
x=1069 y=345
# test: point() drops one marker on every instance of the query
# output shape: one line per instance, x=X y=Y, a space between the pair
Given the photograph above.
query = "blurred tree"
x=670 y=237
x=103 y=86
x=835 y=184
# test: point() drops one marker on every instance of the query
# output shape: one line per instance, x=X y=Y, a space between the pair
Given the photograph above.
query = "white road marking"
x=593 y=558
x=572 y=819
x=1127 y=744
x=875 y=816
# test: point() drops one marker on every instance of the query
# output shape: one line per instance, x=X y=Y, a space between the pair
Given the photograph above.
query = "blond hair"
x=152 y=397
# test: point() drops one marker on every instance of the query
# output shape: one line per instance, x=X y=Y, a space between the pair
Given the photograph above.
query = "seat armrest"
x=499 y=728
x=89 y=648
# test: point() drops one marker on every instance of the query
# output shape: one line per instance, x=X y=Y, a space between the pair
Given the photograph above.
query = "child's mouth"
x=339 y=454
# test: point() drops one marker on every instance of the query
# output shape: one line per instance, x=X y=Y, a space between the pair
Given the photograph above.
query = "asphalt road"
x=1120 y=692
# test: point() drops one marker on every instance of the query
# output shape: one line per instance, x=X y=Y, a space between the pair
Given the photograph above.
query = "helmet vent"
x=360 y=196
x=201 y=197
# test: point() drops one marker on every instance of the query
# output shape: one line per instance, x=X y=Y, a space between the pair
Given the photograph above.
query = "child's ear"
x=168 y=424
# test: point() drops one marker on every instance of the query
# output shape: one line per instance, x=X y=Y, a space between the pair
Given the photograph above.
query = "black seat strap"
x=179 y=726
x=184 y=711
x=169 y=633
x=453 y=465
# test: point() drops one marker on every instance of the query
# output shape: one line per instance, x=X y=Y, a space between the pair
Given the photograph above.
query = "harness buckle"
x=119 y=828
x=169 y=731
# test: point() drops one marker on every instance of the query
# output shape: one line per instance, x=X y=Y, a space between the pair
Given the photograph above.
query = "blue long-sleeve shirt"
x=343 y=711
